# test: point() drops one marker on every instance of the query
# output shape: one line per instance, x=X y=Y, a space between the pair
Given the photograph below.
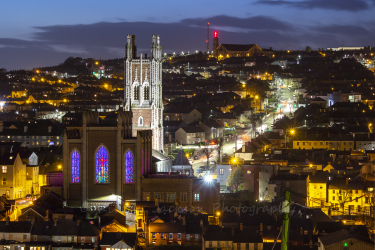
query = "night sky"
x=45 y=33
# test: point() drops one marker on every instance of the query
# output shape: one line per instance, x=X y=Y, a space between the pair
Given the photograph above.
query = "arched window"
x=129 y=167
x=146 y=92
x=140 y=121
x=102 y=166
x=75 y=167
x=136 y=92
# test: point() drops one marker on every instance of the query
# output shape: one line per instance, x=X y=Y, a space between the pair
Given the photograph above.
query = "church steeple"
x=143 y=90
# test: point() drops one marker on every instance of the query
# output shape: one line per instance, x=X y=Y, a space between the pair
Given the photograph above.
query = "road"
x=286 y=100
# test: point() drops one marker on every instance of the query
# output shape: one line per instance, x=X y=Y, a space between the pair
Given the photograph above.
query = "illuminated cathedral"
x=116 y=163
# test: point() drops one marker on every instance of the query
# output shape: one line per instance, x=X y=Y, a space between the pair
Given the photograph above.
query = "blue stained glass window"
x=75 y=167
x=129 y=167
x=102 y=166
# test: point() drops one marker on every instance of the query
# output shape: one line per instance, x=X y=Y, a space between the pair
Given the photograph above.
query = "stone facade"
x=143 y=90
x=117 y=140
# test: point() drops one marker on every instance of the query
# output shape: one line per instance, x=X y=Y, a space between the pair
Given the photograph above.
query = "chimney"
x=241 y=227
x=145 y=55
x=55 y=222
x=49 y=129
x=25 y=129
x=7 y=221
x=47 y=215
x=204 y=230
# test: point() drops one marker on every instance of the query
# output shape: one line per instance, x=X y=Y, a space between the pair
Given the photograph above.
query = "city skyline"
x=46 y=33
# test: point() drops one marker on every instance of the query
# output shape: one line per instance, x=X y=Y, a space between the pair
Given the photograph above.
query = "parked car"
x=212 y=162
x=29 y=196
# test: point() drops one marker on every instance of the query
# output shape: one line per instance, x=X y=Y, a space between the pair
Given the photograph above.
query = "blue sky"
x=44 y=33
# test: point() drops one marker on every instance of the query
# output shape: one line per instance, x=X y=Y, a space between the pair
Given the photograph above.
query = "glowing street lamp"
x=291 y=131
x=208 y=179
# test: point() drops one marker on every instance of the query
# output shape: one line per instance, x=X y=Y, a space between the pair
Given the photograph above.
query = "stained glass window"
x=129 y=167
x=75 y=167
x=102 y=165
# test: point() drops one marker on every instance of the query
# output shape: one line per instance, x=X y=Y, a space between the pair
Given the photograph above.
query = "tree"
x=219 y=146
x=308 y=49
x=236 y=178
x=206 y=151
x=257 y=87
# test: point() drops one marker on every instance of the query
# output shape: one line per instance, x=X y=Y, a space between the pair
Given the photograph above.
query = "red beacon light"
x=215 y=34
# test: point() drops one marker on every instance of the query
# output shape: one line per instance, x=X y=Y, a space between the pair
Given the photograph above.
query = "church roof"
x=181 y=159
x=238 y=47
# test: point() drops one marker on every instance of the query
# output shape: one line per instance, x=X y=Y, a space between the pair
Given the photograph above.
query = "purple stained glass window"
x=102 y=165
x=129 y=167
x=75 y=167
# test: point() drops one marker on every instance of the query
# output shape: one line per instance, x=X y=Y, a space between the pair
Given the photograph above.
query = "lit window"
x=75 y=167
x=129 y=167
x=5 y=169
x=102 y=166
x=196 y=197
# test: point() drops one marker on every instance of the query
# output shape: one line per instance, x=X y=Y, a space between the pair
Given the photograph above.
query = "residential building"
x=117 y=240
x=316 y=189
x=190 y=135
x=212 y=130
x=350 y=197
x=344 y=239
x=31 y=134
x=13 y=177
x=330 y=142
x=15 y=230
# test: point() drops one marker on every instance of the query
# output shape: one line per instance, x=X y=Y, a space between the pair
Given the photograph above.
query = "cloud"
x=249 y=23
x=51 y=45
x=344 y=30
x=340 y=5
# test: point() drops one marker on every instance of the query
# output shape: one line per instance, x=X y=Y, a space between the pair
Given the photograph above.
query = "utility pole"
x=208 y=38
x=286 y=216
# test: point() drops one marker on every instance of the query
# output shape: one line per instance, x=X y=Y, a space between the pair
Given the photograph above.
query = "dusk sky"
x=45 y=33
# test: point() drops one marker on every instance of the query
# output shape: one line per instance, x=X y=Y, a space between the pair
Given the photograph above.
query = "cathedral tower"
x=143 y=90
